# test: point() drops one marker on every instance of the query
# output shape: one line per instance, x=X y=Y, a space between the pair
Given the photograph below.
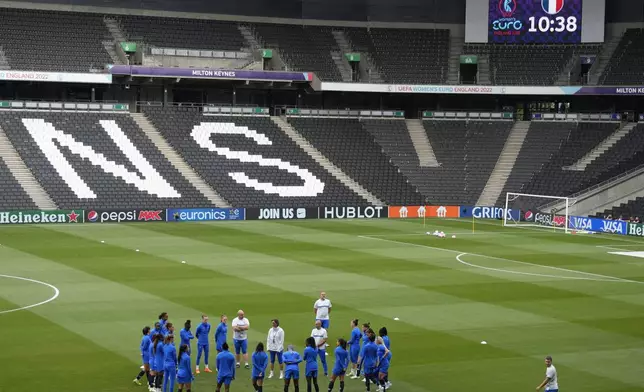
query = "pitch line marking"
x=56 y=293
x=603 y=278
x=458 y=257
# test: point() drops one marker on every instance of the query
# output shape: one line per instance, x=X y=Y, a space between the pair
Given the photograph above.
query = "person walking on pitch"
x=144 y=347
x=550 y=381
x=275 y=344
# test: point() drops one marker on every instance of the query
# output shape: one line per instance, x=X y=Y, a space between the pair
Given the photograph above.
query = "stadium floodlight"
x=538 y=211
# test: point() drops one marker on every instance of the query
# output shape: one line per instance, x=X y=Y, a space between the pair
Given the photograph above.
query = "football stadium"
x=339 y=195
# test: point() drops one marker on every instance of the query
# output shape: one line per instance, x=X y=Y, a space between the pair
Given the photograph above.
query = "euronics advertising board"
x=204 y=214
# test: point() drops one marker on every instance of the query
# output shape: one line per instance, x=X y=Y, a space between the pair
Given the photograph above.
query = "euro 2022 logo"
x=507 y=7
x=507 y=23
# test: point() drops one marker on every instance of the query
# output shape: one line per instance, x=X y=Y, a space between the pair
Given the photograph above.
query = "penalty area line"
x=598 y=277
x=52 y=298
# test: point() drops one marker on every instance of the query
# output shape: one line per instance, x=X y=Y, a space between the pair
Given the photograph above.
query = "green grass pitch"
x=528 y=293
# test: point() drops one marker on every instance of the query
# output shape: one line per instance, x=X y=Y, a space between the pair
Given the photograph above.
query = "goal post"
x=538 y=211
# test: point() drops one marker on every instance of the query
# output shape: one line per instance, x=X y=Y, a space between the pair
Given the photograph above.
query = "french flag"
x=552 y=7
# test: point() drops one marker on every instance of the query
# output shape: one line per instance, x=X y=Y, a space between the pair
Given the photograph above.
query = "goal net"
x=538 y=211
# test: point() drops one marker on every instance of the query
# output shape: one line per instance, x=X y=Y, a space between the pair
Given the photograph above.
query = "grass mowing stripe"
x=40 y=355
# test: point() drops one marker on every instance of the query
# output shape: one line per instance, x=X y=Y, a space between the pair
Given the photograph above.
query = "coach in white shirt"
x=320 y=336
x=275 y=346
x=322 y=309
x=240 y=337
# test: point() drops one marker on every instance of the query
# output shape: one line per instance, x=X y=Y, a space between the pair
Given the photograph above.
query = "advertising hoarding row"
x=575 y=223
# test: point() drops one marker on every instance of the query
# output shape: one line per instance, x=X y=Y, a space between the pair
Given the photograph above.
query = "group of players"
x=164 y=367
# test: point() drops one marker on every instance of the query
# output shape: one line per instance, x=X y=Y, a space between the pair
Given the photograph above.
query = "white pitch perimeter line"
x=612 y=248
x=56 y=293
x=602 y=277
x=458 y=257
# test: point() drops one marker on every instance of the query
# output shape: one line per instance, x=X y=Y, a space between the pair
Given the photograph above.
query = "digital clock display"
x=535 y=21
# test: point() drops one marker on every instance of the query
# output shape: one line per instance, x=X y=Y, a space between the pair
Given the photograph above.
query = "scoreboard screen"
x=535 y=21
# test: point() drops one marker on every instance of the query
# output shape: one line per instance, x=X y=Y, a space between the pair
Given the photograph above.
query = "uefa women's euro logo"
x=507 y=7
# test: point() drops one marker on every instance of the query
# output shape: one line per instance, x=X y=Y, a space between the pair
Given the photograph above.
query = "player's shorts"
x=277 y=354
x=224 y=380
x=371 y=371
x=339 y=372
x=292 y=374
x=325 y=323
x=184 y=380
x=384 y=368
x=312 y=373
x=145 y=359
x=354 y=353
x=256 y=376
x=552 y=390
x=241 y=346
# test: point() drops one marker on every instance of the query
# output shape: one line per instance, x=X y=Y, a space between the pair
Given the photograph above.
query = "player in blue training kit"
x=225 y=368
x=184 y=374
x=341 y=364
x=157 y=330
x=291 y=359
x=157 y=350
x=163 y=320
x=260 y=362
x=383 y=362
x=203 y=344
x=382 y=332
x=169 y=364
x=370 y=360
x=221 y=333
x=185 y=334
x=144 y=347
x=168 y=330
x=354 y=348
x=311 y=361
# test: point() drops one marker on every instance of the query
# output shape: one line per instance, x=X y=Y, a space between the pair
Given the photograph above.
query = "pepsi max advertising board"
x=535 y=21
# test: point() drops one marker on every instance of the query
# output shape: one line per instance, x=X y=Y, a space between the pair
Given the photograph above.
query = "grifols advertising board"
x=370 y=212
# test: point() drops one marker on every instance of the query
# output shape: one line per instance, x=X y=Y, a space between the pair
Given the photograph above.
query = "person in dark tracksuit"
x=260 y=362
x=145 y=357
x=157 y=358
x=225 y=368
x=203 y=344
x=341 y=364
x=169 y=364
x=184 y=375
x=311 y=364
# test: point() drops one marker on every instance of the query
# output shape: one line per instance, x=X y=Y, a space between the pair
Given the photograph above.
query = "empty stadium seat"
x=249 y=164
x=115 y=190
x=625 y=66
x=12 y=197
x=53 y=41
x=346 y=143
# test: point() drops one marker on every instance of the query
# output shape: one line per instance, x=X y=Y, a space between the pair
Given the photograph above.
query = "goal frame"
x=515 y=195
